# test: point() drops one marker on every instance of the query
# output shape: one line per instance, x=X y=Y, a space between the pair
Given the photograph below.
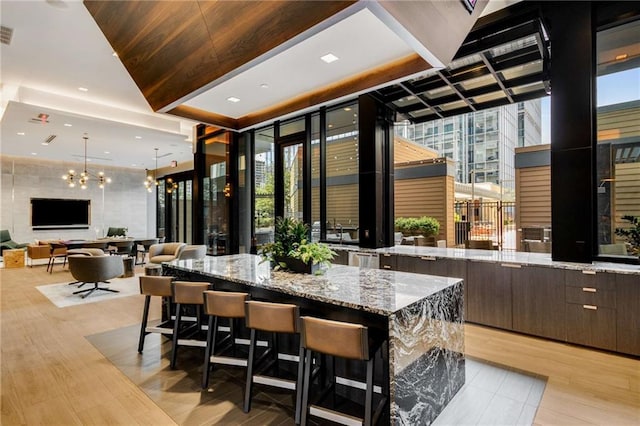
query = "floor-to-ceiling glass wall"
x=264 y=181
x=618 y=141
x=342 y=174
x=175 y=200
x=217 y=191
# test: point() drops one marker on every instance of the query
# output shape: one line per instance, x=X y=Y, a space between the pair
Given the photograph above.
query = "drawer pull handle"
x=587 y=272
x=511 y=265
x=386 y=266
x=591 y=307
x=427 y=258
x=589 y=289
x=386 y=255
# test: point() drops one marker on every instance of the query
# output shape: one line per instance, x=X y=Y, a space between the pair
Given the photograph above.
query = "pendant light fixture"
x=85 y=176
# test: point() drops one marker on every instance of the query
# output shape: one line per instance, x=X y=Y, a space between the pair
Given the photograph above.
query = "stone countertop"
x=496 y=256
x=373 y=290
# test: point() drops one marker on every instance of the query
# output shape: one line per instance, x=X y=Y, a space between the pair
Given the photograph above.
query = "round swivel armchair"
x=95 y=269
x=165 y=252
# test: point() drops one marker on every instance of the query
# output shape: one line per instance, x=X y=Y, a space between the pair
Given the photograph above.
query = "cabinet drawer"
x=388 y=261
x=600 y=280
x=590 y=296
x=590 y=325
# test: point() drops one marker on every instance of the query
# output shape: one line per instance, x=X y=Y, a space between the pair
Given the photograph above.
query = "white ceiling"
x=300 y=70
x=57 y=48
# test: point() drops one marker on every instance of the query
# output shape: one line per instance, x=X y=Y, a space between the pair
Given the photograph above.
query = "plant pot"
x=297 y=265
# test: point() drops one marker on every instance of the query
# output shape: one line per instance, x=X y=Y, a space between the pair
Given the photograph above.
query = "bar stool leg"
x=299 y=384
x=176 y=327
x=249 y=383
x=143 y=326
x=209 y=350
x=369 y=393
x=305 y=388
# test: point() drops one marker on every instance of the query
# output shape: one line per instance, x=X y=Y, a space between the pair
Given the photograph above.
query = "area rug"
x=62 y=295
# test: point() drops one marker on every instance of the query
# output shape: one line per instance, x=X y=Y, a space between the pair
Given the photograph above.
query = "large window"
x=264 y=185
x=618 y=141
x=342 y=171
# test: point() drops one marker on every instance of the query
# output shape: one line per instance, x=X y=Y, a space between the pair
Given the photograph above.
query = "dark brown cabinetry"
x=342 y=257
x=388 y=261
x=538 y=302
x=628 y=314
x=591 y=308
x=488 y=295
x=596 y=309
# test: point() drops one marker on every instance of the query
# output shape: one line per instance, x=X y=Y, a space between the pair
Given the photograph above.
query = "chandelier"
x=83 y=179
x=151 y=181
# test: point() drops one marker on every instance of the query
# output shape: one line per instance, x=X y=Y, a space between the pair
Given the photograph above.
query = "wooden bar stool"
x=159 y=287
x=343 y=340
x=221 y=304
x=186 y=293
x=274 y=318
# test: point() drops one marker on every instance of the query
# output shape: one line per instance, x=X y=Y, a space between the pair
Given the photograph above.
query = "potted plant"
x=632 y=235
x=426 y=226
x=291 y=249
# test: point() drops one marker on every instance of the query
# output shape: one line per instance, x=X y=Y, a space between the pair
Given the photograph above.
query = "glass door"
x=177 y=202
x=292 y=173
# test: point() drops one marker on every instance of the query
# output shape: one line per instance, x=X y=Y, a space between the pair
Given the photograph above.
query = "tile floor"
x=494 y=395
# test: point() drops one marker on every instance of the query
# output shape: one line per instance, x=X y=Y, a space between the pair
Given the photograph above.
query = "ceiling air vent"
x=6 y=34
x=49 y=139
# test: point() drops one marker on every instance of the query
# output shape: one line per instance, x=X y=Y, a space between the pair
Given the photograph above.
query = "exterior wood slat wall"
x=428 y=197
x=619 y=124
x=626 y=195
x=533 y=196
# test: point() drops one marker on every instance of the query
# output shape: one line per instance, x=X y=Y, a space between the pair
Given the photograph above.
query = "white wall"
x=126 y=202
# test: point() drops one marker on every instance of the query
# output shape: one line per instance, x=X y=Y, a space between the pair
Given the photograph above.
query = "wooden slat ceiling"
x=174 y=50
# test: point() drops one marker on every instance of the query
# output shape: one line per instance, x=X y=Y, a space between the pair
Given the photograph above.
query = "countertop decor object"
x=291 y=249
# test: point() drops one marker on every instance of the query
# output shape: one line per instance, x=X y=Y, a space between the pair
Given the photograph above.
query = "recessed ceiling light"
x=34 y=153
x=83 y=89
x=107 y=152
x=20 y=133
x=67 y=125
x=329 y=57
x=44 y=144
x=133 y=165
x=264 y=86
x=138 y=137
x=233 y=99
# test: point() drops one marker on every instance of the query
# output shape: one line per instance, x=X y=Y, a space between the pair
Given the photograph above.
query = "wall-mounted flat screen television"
x=59 y=213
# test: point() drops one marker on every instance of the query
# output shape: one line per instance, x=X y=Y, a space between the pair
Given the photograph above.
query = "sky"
x=611 y=89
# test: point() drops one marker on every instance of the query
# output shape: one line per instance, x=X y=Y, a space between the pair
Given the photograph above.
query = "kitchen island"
x=420 y=316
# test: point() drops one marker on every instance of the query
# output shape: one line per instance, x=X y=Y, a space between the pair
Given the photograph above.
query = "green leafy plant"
x=291 y=241
x=632 y=234
x=425 y=225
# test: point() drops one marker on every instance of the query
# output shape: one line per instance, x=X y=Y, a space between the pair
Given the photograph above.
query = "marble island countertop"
x=378 y=291
x=516 y=257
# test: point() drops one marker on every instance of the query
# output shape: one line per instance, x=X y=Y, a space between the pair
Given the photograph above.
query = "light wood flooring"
x=52 y=374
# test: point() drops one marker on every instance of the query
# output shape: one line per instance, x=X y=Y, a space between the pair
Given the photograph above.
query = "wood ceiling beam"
x=401 y=68
x=411 y=64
